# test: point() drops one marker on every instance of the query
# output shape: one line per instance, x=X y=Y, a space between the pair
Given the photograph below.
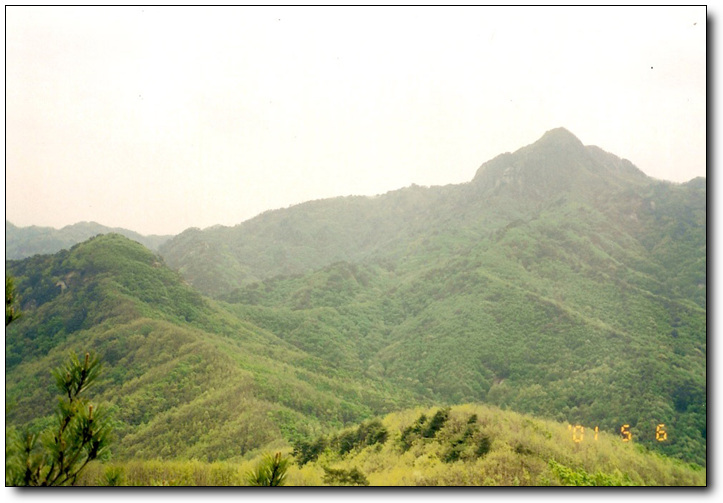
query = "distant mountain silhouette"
x=510 y=187
x=21 y=242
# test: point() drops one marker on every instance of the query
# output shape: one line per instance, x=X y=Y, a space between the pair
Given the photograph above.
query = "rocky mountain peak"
x=556 y=164
x=559 y=137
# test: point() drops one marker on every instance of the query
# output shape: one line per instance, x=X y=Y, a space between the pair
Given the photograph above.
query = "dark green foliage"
x=468 y=444
x=80 y=433
x=424 y=428
x=368 y=433
x=483 y=447
x=435 y=424
x=12 y=312
x=341 y=477
x=458 y=444
x=271 y=471
x=305 y=452
x=521 y=449
x=346 y=441
x=410 y=433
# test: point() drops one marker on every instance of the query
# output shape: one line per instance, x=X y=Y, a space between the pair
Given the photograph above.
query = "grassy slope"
x=522 y=451
x=519 y=450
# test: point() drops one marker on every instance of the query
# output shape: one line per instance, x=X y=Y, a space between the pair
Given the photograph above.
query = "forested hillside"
x=560 y=281
x=185 y=378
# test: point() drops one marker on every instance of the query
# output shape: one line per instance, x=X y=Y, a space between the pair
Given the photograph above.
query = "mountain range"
x=561 y=281
x=23 y=242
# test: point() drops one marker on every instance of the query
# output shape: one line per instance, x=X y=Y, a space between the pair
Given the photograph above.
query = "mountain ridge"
x=558 y=163
x=169 y=355
x=510 y=187
x=22 y=242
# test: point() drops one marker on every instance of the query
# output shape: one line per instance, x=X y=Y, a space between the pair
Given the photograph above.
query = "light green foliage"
x=518 y=450
x=169 y=380
x=80 y=433
x=112 y=476
x=500 y=448
x=570 y=477
x=164 y=473
x=565 y=314
x=271 y=471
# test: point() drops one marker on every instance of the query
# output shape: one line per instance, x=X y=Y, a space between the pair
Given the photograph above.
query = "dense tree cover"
x=418 y=220
x=341 y=477
x=109 y=277
x=539 y=318
x=561 y=282
x=184 y=377
x=309 y=236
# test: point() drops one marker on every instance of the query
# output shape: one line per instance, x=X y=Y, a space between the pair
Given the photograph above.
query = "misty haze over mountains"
x=560 y=281
x=21 y=242
x=24 y=242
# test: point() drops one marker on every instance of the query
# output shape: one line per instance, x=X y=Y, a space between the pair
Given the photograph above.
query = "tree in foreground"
x=12 y=312
x=80 y=433
x=271 y=471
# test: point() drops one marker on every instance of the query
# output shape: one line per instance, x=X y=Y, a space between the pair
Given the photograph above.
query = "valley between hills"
x=469 y=334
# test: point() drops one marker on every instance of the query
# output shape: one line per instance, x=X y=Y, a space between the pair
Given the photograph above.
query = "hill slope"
x=539 y=179
x=579 y=295
x=186 y=379
x=470 y=445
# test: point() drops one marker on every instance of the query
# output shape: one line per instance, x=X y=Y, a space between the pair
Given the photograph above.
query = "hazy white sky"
x=159 y=119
